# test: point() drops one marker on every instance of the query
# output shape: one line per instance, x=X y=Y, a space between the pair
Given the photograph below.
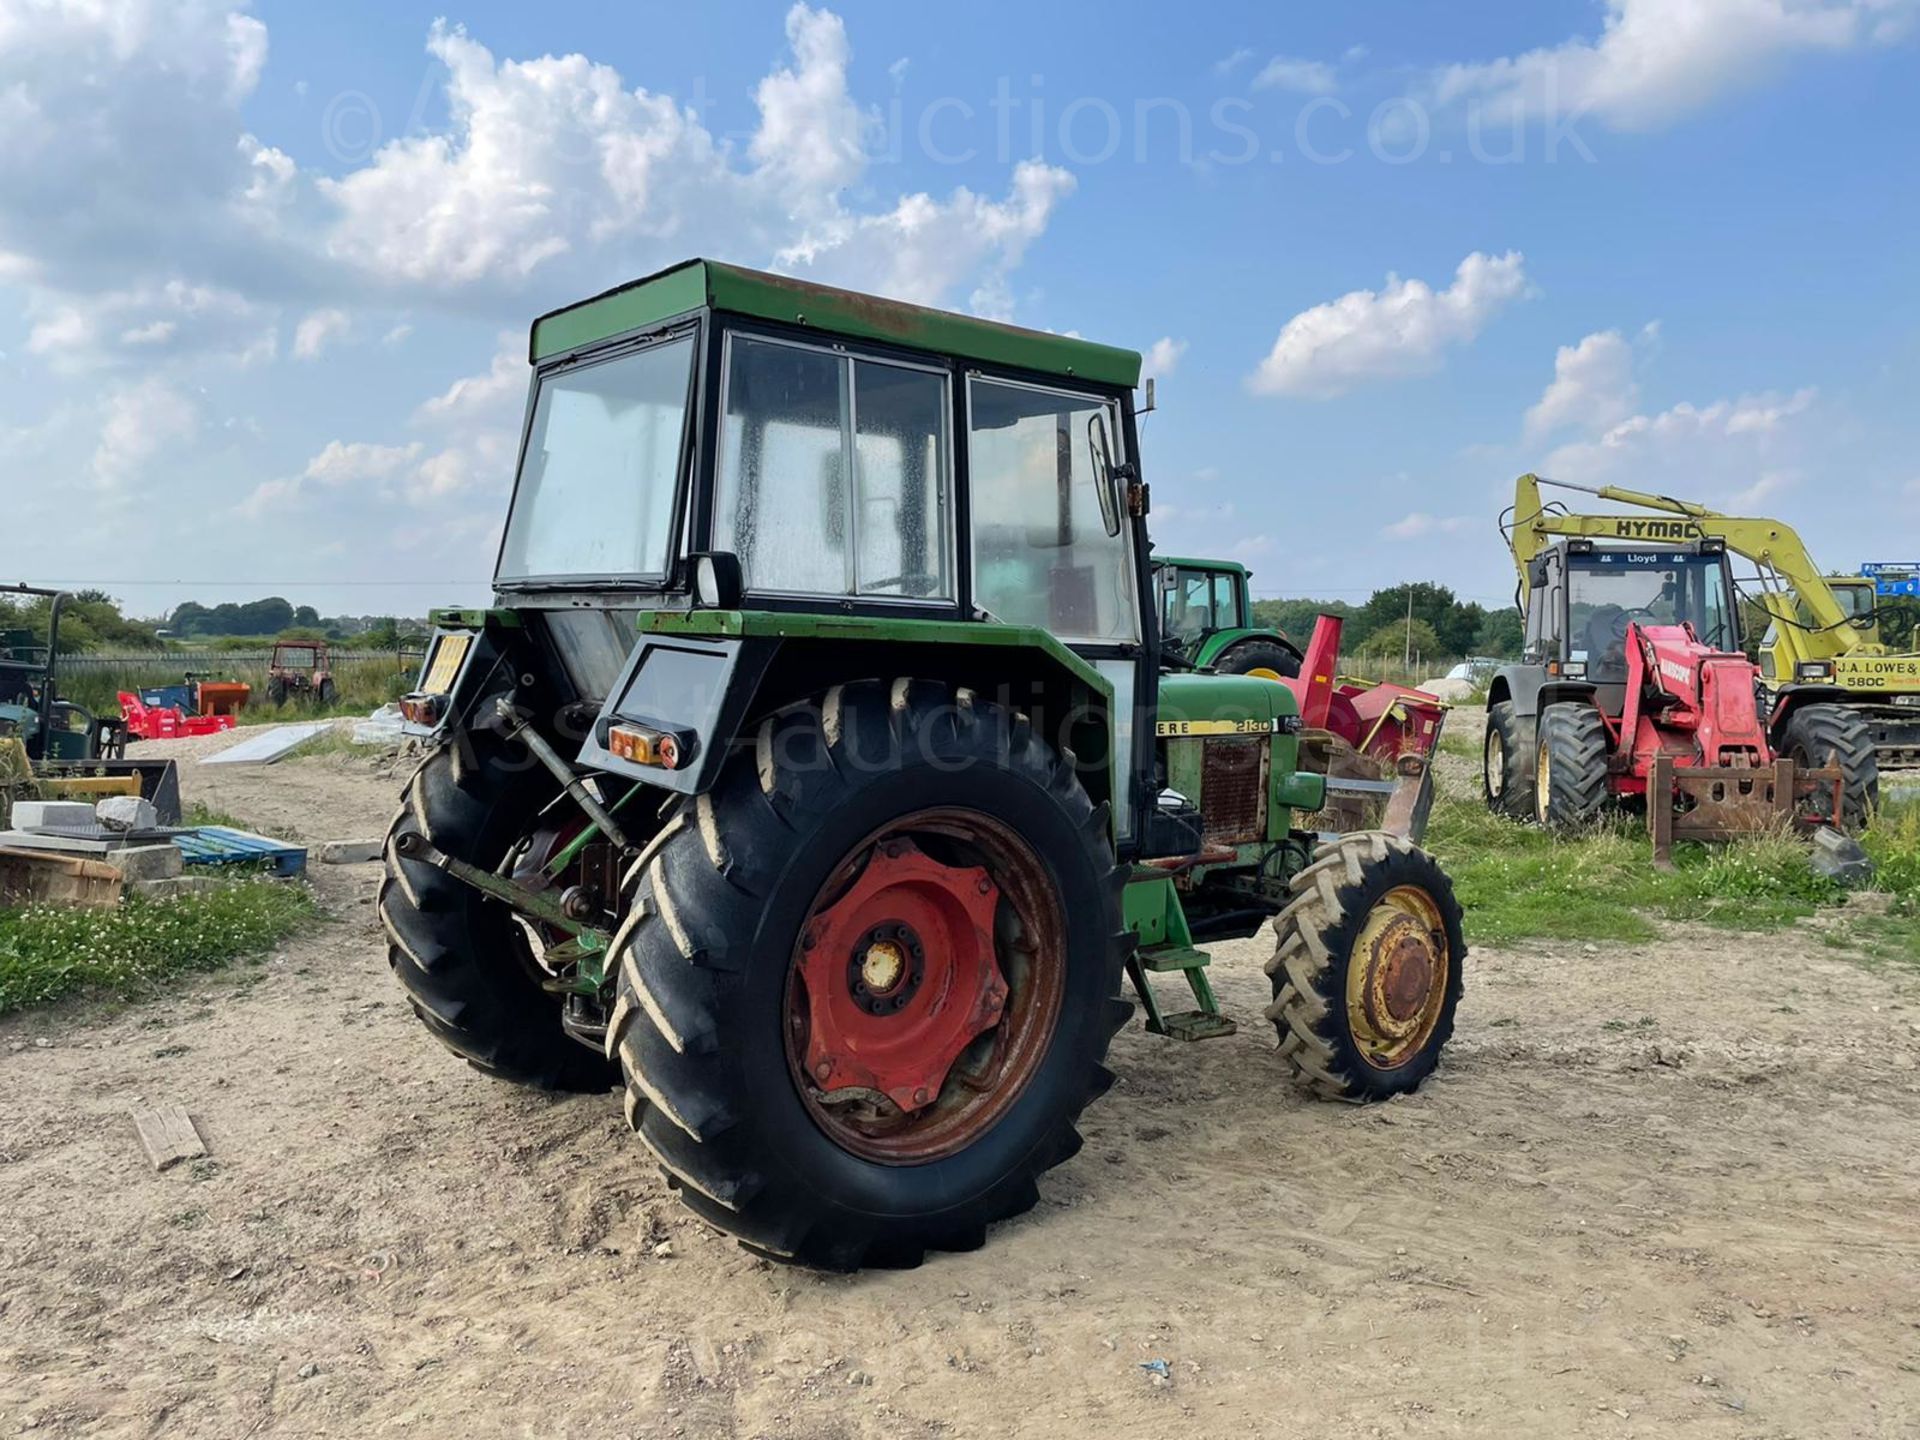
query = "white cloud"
x=483 y=397
x=397 y=334
x=318 y=330
x=1300 y=77
x=554 y=165
x=1719 y=453
x=1227 y=64
x=139 y=422
x=1592 y=388
x=1420 y=526
x=340 y=465
x=1655 y=60
x=1401 y=330
x=1163 y=356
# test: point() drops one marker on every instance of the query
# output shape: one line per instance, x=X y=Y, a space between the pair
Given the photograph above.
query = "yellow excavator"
x=1823 y=639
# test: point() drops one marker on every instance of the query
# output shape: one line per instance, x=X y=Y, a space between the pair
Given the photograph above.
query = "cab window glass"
x=833 y=473
x=1041 y=552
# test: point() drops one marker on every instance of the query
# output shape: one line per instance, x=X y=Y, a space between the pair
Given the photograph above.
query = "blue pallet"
x=218 y=845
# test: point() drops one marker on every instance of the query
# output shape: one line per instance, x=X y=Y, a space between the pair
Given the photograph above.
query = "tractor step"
x=1163 y=959
x=1193 y=1025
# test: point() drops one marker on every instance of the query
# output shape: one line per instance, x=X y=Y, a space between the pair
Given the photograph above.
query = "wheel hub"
x=900 y=977
x=1399 y=966
x=1397 y=977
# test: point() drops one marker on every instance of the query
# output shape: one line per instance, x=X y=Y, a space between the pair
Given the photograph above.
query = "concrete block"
x=52 y=814
x=350 y=852
x=173 y=887
x=127 y=812
x=146 y=862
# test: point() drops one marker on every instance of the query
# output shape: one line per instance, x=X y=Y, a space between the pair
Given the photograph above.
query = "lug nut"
x=823 y=1069
x=920 y=1096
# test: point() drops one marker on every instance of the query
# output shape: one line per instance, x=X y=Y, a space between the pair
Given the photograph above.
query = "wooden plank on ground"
x=167 y=1134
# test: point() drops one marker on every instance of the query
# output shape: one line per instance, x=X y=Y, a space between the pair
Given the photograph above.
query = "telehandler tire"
x=1570 y=766
x=1259 y=657
x=1816 y=736
x=1506 y=762
x=466 y=964
x=1366 y=970
x=867 y=982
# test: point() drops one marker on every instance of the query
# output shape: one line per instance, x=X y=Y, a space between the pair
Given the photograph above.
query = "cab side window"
x=1041 y=552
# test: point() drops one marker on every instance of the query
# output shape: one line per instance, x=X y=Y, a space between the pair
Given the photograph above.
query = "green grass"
x=48 y=951
x=1518 y=882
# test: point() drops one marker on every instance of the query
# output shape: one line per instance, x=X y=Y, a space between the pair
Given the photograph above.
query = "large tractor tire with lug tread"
x=1367 y=969
x=1816 y=736
x=867 y=982
x=1506 y=761
x=277 y=691
x=465 y=962
x=1570 y=767
x=1263 y=658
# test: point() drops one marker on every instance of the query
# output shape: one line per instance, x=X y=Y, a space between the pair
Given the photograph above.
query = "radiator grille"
x=1233 y=790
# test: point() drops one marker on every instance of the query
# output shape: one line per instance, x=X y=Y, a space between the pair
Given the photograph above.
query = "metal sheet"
x=269 y=747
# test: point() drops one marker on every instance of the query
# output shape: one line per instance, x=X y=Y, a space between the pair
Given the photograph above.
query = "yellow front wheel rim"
x=1397 y=977
x=1496 y=764
x=1543 y=784
x=1261 y=672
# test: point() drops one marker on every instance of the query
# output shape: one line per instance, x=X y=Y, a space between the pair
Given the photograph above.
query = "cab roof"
x=710 y=284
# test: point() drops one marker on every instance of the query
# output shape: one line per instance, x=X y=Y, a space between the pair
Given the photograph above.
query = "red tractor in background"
x=300 y=668
x=1620 y=696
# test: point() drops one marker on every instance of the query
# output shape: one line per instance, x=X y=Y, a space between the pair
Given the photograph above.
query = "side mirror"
x=717 y=582
x=1106 y=482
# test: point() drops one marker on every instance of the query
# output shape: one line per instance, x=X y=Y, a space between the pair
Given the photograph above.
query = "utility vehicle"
x=1632 y=683
x=1823 y=641
x=814 y=777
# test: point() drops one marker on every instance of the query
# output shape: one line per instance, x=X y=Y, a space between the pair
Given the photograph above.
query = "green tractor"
x=814 y=778
x=1206 y=621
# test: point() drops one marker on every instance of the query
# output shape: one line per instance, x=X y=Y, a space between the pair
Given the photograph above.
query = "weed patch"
x=48 y=951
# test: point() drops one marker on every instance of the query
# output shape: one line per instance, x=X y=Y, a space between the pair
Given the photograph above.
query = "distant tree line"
x=1442 y=623
x=93 y=620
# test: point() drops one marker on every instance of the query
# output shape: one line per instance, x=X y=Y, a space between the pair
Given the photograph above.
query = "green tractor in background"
x=1206 y=621
x=815 y=777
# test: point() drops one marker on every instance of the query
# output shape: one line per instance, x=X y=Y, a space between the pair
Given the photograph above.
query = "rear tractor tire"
x=1262 y=658
x=1506 y=762
x=1816 y=736
x=1570 y=767
x=1367 y=969
x=867 y=982
x=465 y=962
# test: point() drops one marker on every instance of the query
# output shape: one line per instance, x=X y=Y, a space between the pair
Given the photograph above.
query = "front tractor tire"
x=1261 y=658
x=1506 y=762
x=867 y=982
x=1818 y=736
x=464 y=960
x=1367 y=969
x=1570 y=767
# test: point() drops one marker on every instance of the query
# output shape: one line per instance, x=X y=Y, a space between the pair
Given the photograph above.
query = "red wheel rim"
x=924 y=986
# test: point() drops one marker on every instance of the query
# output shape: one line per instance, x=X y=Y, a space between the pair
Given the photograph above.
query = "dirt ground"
x=1654 y=1189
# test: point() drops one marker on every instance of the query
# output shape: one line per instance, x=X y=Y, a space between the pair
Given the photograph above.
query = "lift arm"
x=1772 y=546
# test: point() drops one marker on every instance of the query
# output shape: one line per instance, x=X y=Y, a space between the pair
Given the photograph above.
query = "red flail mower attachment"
x=1374 y=742
x=167 y=722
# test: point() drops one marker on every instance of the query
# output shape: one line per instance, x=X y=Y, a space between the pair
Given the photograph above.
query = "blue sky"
x=265 y=271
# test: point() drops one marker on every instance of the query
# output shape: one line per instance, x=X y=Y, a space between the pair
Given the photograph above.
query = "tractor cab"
x=1583 y=597
x=1206 y=621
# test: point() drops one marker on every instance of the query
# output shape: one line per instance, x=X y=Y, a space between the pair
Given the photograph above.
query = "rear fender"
x=709 y=677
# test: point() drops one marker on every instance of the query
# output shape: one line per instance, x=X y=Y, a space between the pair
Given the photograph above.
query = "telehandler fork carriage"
x=815 y=778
